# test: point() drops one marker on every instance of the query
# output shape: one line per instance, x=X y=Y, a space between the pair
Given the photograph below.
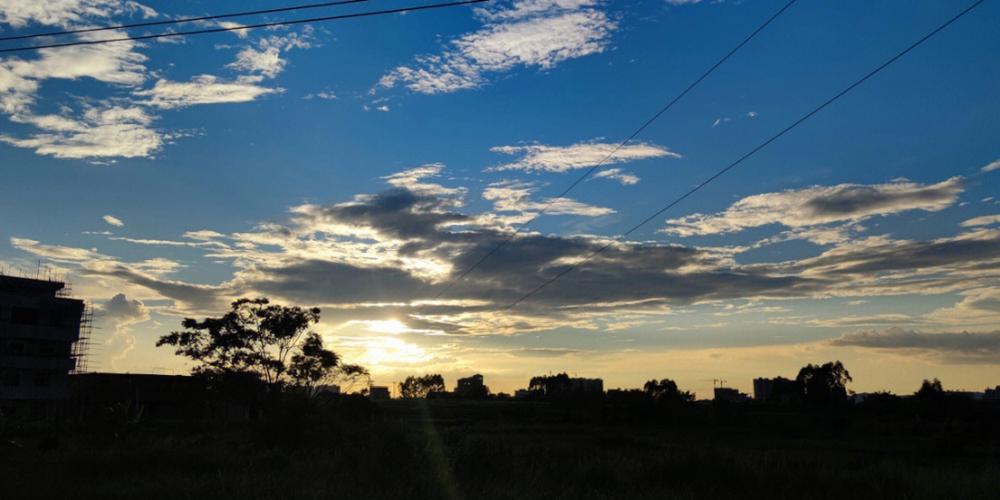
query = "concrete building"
x=40 y=344
x=586 y=386
x=378 y=393
x=730 y=395
x=762 y=389
x=471 y=387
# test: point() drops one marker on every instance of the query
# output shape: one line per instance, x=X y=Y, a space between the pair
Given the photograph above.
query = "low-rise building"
x=586 y=386
x=378 y=393
x=730 y=395
x=471 y=387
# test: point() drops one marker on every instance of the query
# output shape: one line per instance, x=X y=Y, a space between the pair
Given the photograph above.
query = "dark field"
x=452 y=449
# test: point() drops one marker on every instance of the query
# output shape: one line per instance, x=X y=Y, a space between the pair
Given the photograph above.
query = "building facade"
x=472 y=387
x=39 y=337
x=762 y=389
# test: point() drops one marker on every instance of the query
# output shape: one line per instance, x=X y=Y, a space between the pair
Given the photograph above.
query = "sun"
x=393 y=326
x=384 y=351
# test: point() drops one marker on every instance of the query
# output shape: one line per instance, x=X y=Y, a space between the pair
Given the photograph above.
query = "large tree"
x=666 y=391
x=420 y=387
x=269 y=342
x=824 y=383
x=930 y=389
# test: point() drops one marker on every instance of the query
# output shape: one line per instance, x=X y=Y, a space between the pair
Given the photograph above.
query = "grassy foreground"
x=451 y=449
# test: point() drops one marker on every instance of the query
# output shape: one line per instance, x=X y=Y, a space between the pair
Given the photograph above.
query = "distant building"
x=39 y=345
x=524 y=394
x=730 y=395
x=378 y=393
x=587 y=386
x=762 y=389
x=973 y=395
x=328 y=390
x=776 y=390
x=471 y=387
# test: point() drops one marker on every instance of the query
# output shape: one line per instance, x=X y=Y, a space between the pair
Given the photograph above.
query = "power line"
x=248 y=27
x=610 y=155
x=182 y=20
x=753 y=151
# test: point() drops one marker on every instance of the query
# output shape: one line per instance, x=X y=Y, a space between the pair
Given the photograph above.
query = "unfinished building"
x=43 y=337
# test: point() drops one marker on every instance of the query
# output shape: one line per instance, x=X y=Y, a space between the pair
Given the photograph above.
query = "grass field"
x=450 y=449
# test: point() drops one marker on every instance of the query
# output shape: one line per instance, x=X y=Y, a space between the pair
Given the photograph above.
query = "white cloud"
x=205 y=89
x=539 y=33
x=515 y=196
x=979 y=306
x=617 y=174
x=57 y=253
x=984 y=220
x=266 y=58
x=120 y=313
x=114 y=221
x=236 y=27
x=111 y=131
x=539 y=157
x=413 y=180
x=203 y=235
x=20 y=79
x=267 y=62
x=328 y=95
x=66 y=13
x=797 y=208
x=993 y=165
x=104 y=130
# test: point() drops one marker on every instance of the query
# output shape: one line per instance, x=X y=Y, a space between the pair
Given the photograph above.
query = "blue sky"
x=357 y=165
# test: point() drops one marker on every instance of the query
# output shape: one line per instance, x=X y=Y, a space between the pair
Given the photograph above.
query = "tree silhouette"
x=824 y=384
x=262 y=341
x=930 y=389
x=666 y=391
x=420 y=387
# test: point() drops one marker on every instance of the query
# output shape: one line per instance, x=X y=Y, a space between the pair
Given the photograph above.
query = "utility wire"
x=181 y=20
x=753 y=151
x=610 y=155
x=249 y=26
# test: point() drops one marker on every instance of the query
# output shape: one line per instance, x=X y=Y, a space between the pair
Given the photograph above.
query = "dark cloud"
x=849 y=199
x=188 y=296
x=962 y=347
x=980 y=249
x=398 y=212
x=324 y=282
x=389 y=254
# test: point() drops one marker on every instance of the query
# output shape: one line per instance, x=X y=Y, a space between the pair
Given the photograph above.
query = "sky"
x=361 y=165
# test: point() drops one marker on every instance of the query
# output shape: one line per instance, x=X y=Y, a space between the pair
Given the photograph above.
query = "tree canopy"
x=666 y=391
x=420 y=387
x=930 y=389
x=269 y=342
x=824 y=383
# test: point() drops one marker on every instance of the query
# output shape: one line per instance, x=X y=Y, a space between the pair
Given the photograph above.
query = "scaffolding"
x=81 y=348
